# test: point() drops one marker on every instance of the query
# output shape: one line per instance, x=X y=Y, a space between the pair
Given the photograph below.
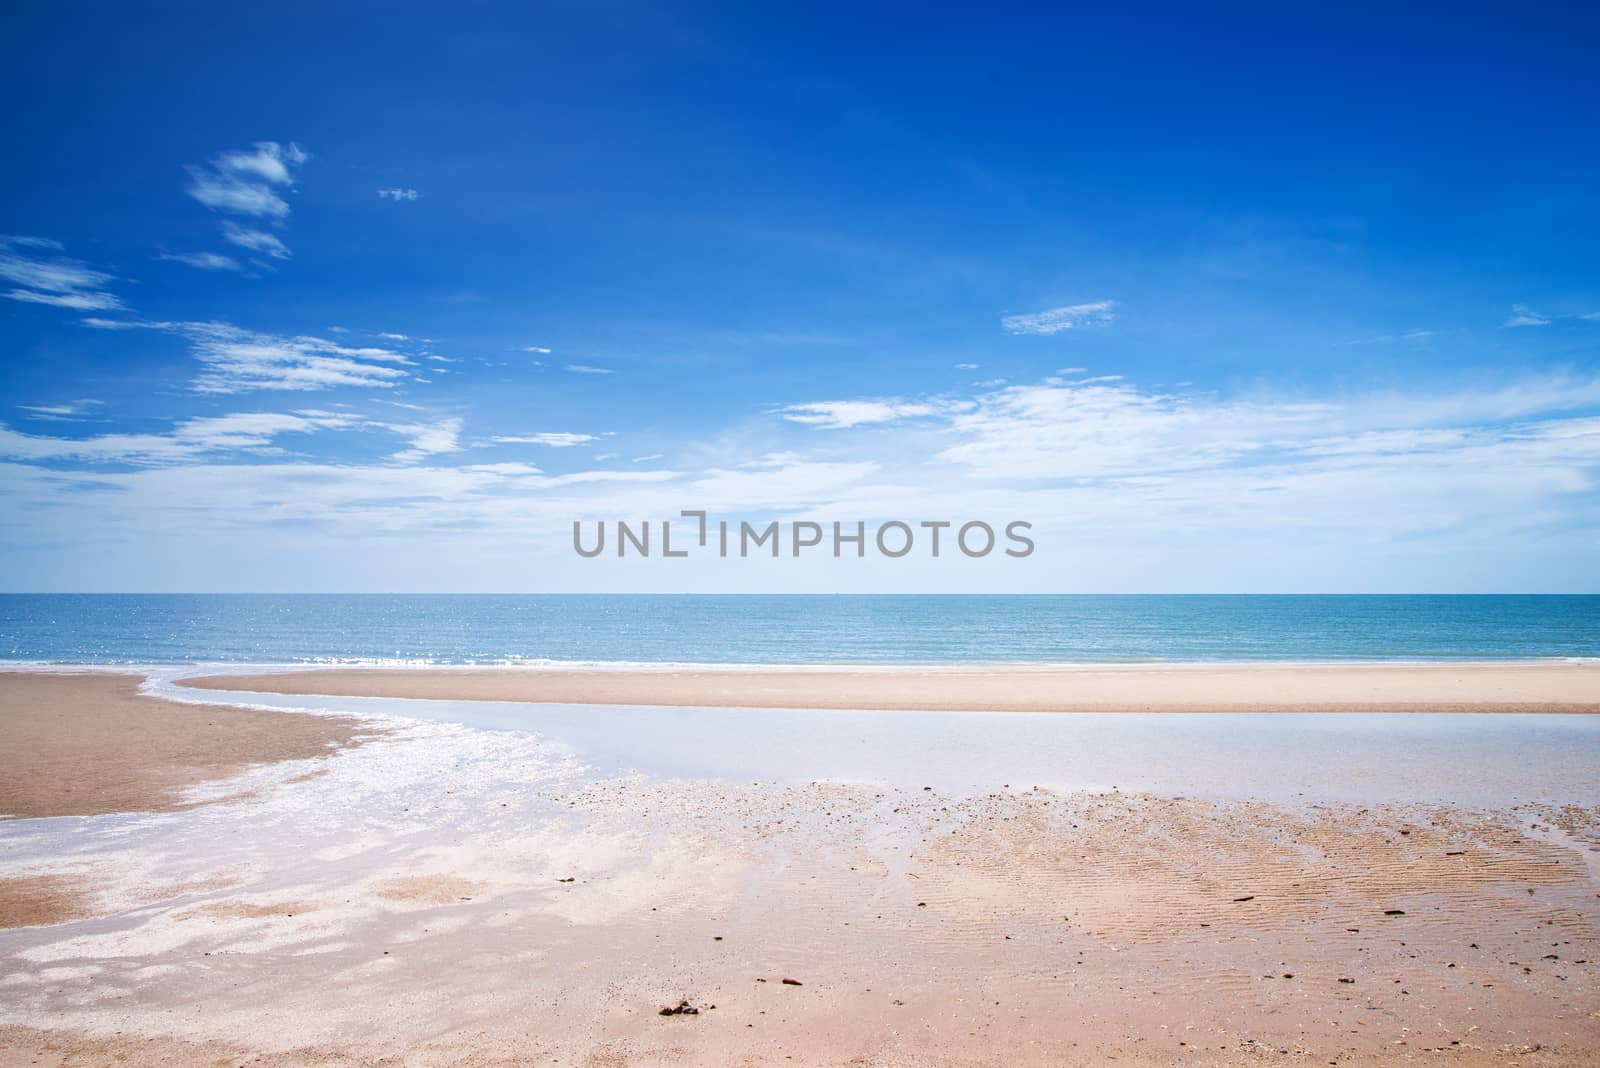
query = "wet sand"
x=1511 y=686
x=91 y=744
x=445 y=895
x=79 y=745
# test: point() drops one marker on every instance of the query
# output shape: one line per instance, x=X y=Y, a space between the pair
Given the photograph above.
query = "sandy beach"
x=440 y=894
x=1511 y=686
x=85 y=744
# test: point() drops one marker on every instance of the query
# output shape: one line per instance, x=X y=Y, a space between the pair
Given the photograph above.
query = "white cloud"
x=394 y=337
x=71 y=410
x=1522 y=315
x=1063 y=430
x=46 y=278
x=25 y=241
x=117 y=324
x=205 y=261
x=503 y=469
x=1129 y=487
x=75 y=301
x=1055 y=320
x=1389 y=339
x=240 y=198
x=256 y=430
x=586 y=369
x=188 y=440
x=235 y=360
x=251 y=183
x=398 y=195
x=782 y=481
x=966 y=367
x=841 y=415
x=554 y=439
x=245 y=183
x=537 y=348
x=428 y=439
x=57 y=274
x=268 y=160
x=261 y=241
x=192 y=440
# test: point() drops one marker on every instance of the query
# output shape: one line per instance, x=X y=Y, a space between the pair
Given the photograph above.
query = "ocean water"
x=759 y=629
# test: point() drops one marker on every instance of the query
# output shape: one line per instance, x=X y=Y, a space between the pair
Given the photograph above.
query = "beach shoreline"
x=1530 y=686
x=445 y=894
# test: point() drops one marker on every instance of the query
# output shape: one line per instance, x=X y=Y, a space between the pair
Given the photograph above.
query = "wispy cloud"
x=537 y=348
x=428 y=439
x=74 y=301
x=1055 y=320
x=1389 y=339
x=1118 y=479
x=248 y=182
x=99 y=323
x=70 y=411
x=43 y=244
x=189 y=439
x=554 y=439
x=235 y=360
x=842 y=415
x=268 y=244
x=205 y=261
x=1065 y=430
x=966 y=367
x=398 y=195
x=268 y=161
x=586 y=369
x=1522 y=315
x=253 y=434
x=44 y=276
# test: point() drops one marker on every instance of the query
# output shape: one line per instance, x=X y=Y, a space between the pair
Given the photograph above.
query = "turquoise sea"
x=759 y=629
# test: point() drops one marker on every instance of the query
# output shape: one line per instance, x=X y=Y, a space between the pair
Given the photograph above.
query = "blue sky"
x=385 y=297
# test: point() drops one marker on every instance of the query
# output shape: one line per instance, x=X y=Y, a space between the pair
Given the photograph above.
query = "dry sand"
x=1512 y=686
x=493 y=910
